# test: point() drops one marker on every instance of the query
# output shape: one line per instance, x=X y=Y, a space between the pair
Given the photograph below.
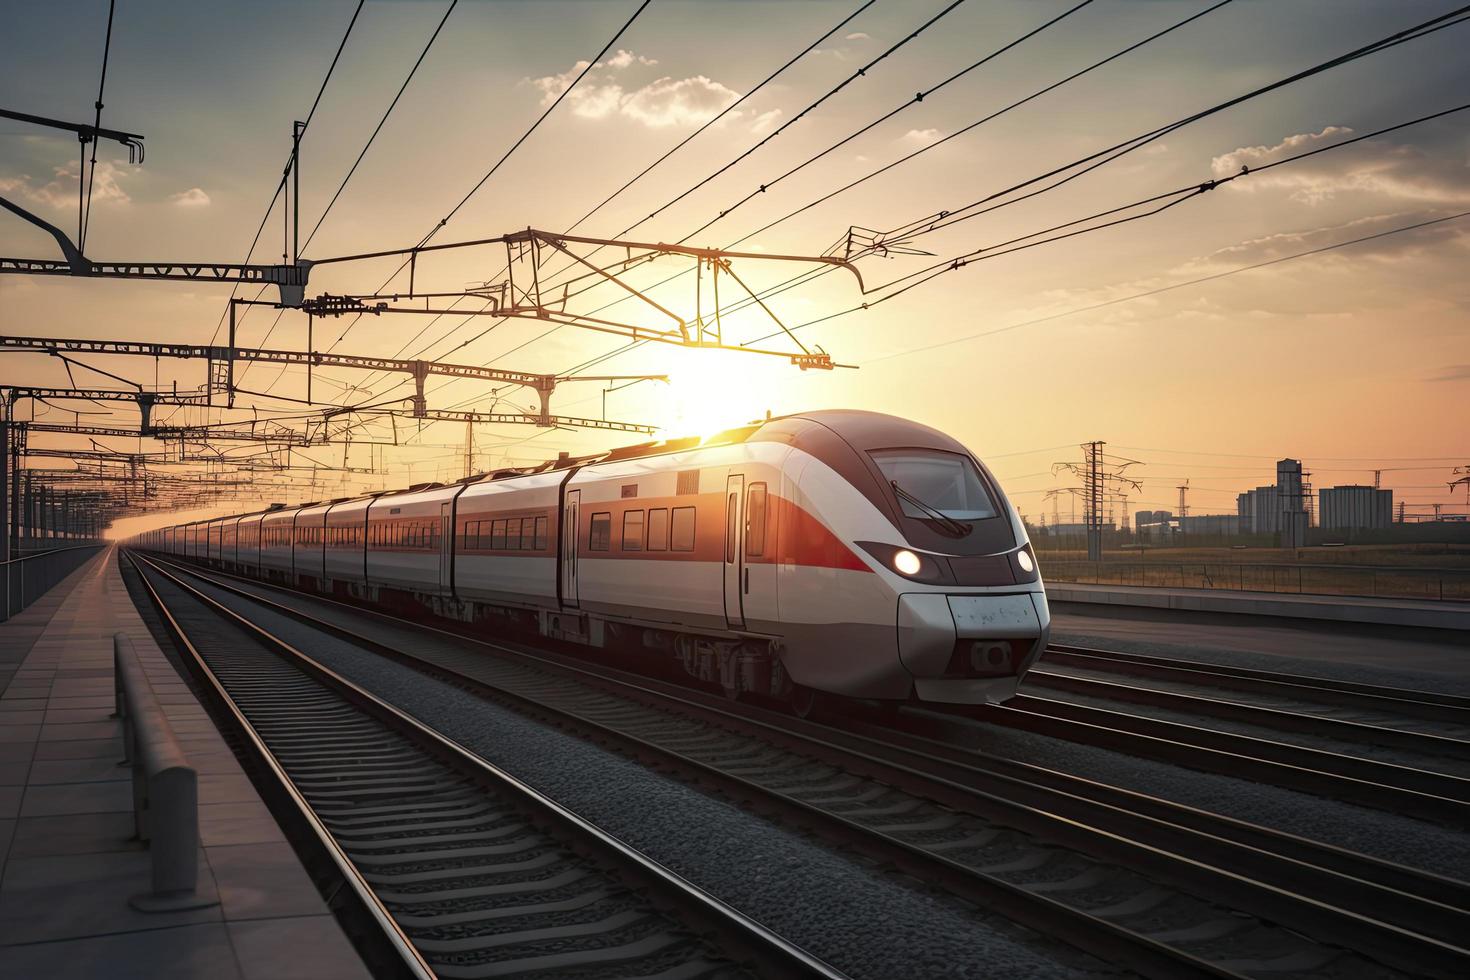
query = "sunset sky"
x=1354 y=360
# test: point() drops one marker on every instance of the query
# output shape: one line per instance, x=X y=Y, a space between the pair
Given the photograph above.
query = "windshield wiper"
x=956 y=528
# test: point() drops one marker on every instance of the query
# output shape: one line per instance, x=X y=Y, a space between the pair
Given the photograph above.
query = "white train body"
x=799 y=553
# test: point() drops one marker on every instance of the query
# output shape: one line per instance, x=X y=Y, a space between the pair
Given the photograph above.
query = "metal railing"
x=165 y=788
x=27 y=578
x=1377 y=581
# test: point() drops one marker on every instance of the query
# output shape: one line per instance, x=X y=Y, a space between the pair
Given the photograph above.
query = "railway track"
x=1105 y=869
x=1392 y=702
x=1411 y=781
x=465 y=871
x=1399 y=789
x=1407 y=741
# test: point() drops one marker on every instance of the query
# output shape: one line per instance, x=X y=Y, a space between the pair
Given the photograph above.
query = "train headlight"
x=1024 y=560
x=905 y=562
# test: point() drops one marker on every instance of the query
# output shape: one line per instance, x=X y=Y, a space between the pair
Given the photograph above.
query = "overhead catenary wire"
x=1173 y=286
x=506 y=156
x=860 y=72
x=84 y=210
x=917 y=99
x=1099 y=158
x=281 y=186
x=1173 y=197
x=381 y=122
x=713 y=120
x=1116 y=151
x=988 y=117
x=813 y=274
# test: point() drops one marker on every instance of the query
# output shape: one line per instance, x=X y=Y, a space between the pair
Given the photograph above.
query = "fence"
x=31 y=576
x=165 y=788
x=1385 y=582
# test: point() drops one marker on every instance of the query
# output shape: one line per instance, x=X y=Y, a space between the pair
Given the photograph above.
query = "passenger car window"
x=658 y=529
x=497 y=534
x=541 y=537
x=632 y=530
x=682 y=536
x=755 y=520
x=600 y=536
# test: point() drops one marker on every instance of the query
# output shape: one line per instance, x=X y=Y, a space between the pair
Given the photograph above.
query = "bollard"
x=165 y=788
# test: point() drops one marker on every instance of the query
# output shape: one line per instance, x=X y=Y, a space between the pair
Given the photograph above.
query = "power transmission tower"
x=1102 y=475
x=1465 y=480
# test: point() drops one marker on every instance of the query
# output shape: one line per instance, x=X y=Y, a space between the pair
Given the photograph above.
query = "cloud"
x=1454 y=372
x=625 y=58
x=1322 y=286
x=194 y=197
x=665 y=101
x=60 y=192
x=1395 y=172
x=765 y=121
x=920 y=136
x=858 y=36
x=1394 y=248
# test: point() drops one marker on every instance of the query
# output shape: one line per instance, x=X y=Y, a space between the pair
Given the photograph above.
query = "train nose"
x=968 y=646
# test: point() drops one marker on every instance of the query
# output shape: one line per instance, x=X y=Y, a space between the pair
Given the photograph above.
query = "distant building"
x=1143 y=518
x=1259 y=510
x=1219 y=524
x=1354 y=507
x=1059 y=530
x=1278 y=509
x=1293 y=500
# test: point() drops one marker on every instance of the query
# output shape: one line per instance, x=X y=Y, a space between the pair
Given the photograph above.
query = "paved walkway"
x=67 y=863
x=1329 y=608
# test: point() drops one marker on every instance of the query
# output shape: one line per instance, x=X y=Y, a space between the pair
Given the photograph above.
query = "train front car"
x=904 y=570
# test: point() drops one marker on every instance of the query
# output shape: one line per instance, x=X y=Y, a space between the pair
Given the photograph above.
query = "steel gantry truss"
x=533 y=296
x=542 y=384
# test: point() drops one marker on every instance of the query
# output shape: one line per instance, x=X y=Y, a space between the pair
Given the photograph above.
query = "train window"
x=943 y=482
x=732 y=509
x=682 y=532
x=755 y=520
x=497 y=534
x=542 y=525
x=632 y=530
x=658 y=529
x=528 y=534
x=513 y=534
x=599 y=538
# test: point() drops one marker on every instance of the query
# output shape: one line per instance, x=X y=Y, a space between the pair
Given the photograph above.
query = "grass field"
x=1437 y=572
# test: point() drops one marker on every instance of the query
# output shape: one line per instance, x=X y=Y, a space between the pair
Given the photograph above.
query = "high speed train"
x=844 y=552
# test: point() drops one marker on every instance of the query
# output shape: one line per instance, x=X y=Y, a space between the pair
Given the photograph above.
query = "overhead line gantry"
x=221 y=380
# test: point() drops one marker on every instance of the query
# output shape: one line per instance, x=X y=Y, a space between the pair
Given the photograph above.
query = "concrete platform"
x=67 y=863
x=1329 y=608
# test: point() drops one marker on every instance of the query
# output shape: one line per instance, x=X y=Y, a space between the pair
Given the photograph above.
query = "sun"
x=712 y=390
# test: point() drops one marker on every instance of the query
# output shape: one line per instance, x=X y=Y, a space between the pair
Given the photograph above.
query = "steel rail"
x=366 y=898
x=1264 y=716
x=1042 y=913
x=772 y=954
x=1382 y=786
x=1364 y=905
x=1425 y=705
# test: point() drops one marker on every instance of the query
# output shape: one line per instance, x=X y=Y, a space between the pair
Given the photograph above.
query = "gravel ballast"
x=861 y=920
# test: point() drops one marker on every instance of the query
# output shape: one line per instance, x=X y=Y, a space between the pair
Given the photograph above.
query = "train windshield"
x=930 y=482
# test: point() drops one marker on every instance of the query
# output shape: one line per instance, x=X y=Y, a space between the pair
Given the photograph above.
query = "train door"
x=735 y=571
x=570 y=512
x=446 y=547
